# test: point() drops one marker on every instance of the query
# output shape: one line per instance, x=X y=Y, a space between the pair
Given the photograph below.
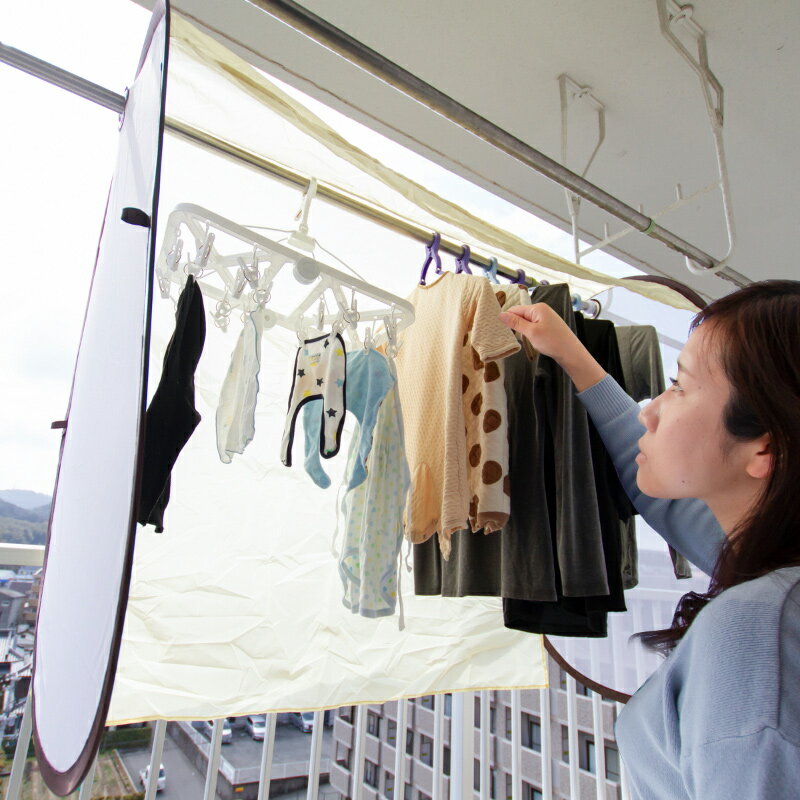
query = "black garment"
x=171 y=418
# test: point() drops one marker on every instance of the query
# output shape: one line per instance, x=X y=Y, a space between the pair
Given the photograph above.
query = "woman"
x=713 y=465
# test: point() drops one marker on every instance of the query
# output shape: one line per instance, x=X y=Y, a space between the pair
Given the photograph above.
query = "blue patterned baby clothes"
x=373 y=527
x=369 y=378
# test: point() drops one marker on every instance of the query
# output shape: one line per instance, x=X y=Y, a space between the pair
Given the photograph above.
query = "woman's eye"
x=675 y=385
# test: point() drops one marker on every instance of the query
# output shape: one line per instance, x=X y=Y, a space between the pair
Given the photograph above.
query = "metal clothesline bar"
x=336 y=40
x=116 y=102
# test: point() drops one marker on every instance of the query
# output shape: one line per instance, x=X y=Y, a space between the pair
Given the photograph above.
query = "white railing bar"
x=516 y=745
x=617 y=668
x=210 y=790
x=484 y=745
x=21 y=753
x=438 y=747
x=547 y=743
x=155 y=759
x=267 y=754
x=315 y=755
x=88 y=782
x=572 y=728
x=597 y=724
x=358 y=753
x=400 y=749
x=637 y=647
x=457 y=727
x=624 y=783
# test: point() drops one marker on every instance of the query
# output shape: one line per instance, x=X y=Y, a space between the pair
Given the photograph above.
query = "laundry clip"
x=174 y=255
x=200 y=261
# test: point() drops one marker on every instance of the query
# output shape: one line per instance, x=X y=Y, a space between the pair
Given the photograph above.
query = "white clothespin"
x=239 y=283
x=200 y=261
x=174 y=255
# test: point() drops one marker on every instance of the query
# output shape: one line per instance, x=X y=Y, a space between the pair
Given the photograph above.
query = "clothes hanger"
x=431 y=254
x=462 y=261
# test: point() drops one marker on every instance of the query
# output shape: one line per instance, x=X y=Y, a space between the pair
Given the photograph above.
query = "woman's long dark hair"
x=755 y=332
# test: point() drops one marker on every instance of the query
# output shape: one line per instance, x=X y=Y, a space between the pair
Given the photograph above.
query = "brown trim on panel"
x=605 y=691
x=681 y=288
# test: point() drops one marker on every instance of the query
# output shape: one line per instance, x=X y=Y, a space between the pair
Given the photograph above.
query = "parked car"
x=256 y=726
x=144 y=776
x=303 y=720
x=227 y=733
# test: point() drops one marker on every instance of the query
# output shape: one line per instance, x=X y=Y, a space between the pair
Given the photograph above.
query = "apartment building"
x=382 y=738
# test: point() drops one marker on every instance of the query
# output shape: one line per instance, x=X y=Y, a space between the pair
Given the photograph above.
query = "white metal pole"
x=357 y=767
x=155 y=759
x=315 y=756
x=547 y=743
x=21 y=753
x=400 y=749
x=210 y=791
x=572 y=727
x=484 y=745
x=267 y=754
x=438 y=746
x=88 y=782
x=516 y=745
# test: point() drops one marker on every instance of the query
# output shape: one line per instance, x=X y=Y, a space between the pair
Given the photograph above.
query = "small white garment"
x=236 y=423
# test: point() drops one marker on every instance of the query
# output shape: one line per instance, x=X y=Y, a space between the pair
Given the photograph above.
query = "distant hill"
x=24 y=498
x=23 y=524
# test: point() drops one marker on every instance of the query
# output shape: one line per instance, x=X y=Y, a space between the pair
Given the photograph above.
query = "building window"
x=477 y=711
x=422 y=796
x=562 y=678
x=391 y=732
x=508 y=722
x=370 y=774
x=426 y=750
x=529 y=793
x=493 y=784
x=446 y=760
x=408 y=792
x=492 y=719
x=448 y=705
x=531 y=733
x=342 y=755
x=565 y=744
x=582 y=690
x=388 y=785
x=427 y=701
x=586 y=748
x=612 y=763
x=346 y=713
x=373 y=724
x=476 y=775
x=409 y=742
x=509 y=786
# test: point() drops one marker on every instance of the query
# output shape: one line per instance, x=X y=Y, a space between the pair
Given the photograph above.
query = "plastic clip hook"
x=491 y=270
x=200 y=261
x=431 y=254
x=462 y=261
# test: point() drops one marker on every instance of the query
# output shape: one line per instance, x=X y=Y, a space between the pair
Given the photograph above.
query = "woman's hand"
x=551 y=336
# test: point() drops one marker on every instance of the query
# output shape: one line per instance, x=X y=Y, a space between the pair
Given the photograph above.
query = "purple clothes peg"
x=462 y=261
x=520 y=280
x=431 y=254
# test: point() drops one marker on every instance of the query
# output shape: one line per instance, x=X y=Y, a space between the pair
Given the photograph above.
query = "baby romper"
x=374 y=517
x=319 y=373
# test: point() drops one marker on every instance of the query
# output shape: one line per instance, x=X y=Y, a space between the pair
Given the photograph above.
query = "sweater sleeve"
x=687 y=524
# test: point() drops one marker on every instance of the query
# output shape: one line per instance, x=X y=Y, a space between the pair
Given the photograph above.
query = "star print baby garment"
x=236 y=412
x=430 y=383
x=369 y=377
x=319 y=373
x=374 y=517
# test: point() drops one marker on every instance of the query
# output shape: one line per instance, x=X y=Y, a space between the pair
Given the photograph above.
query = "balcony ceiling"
x=502 y=60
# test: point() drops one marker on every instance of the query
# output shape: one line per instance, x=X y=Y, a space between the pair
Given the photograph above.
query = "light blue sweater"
x=720 y=718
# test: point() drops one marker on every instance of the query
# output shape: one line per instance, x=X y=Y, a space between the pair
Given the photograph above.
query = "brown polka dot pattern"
x=491 y=371
x=476 y=360
x=492 y=472
x=464 y=384
x=507 y=485
x=501 y=298
x=491 y=420
x=473 y=507
x=466 y=339
x=475 y=455
x=477 y=404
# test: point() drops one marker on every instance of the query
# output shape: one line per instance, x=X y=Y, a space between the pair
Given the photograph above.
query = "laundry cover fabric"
x=239 y=610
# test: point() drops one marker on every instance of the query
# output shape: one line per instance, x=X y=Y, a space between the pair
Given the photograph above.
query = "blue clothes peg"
x=431 y=254
x=491 y=270
x=462 y=261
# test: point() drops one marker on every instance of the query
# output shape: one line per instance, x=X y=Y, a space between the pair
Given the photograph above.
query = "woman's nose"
x=648 y=416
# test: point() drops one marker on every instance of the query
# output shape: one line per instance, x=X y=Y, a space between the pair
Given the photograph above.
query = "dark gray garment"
x=554 y=516
x=644 y=379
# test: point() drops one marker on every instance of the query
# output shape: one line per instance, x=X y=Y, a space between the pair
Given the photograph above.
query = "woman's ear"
x=761 y=459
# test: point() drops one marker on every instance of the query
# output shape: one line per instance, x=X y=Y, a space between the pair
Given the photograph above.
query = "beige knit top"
x=454 y=311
